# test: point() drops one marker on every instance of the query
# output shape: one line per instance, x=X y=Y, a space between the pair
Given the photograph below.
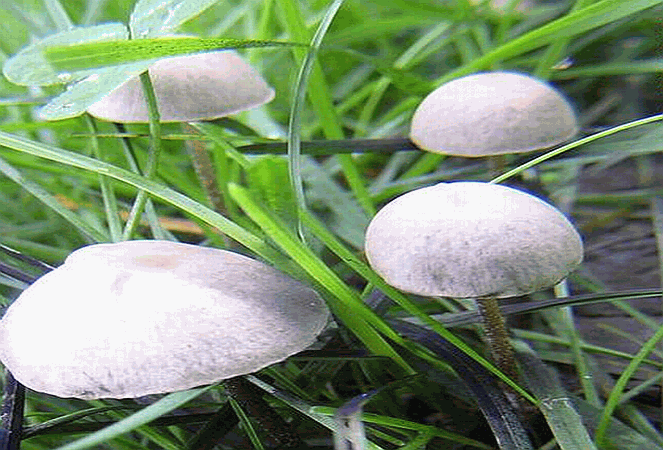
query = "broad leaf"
x=84 y=93
x=157 y=17
x=29 y=67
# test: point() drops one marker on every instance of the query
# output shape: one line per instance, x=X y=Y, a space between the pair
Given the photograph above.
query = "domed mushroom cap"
x=492 y=113
x=471 y=239
x=147 y=317
x=192 y=87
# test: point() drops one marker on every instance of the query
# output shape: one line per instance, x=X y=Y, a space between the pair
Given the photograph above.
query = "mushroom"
x=146 y=317
x=201 y=86
x=189 y=88
x=473 y=240
x=494 y=113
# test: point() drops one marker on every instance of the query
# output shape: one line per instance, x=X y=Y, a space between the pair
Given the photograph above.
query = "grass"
x=75 y=181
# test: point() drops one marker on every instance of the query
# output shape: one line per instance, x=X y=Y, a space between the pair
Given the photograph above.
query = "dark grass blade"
x=469 y=317
x=333 y=147
x=25 y=258
x=496 y=408
x=16 y=274
x=14 y=393
x=12 y=414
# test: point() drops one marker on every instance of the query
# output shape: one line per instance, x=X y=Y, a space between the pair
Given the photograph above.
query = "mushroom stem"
x=496 y=165
x=202 y=164
x=497 y=336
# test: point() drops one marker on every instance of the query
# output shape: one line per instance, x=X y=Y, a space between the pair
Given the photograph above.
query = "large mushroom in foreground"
x=146 y=317
x=473 y=240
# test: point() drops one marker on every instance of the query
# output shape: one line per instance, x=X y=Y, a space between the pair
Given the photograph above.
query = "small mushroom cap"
x=147 y=317
x=471 y=239
x=203 y=86
x=492 y=113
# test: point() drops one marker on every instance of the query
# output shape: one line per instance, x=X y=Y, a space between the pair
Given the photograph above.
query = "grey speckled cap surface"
x=471 y=239
x=146 y=317
x=192 y=87
x=492 y=113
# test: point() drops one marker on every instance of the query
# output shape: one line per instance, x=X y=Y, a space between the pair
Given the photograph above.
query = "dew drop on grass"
x=64 y=77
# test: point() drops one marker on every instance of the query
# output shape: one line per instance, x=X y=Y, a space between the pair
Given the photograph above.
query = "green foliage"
x=341 y=70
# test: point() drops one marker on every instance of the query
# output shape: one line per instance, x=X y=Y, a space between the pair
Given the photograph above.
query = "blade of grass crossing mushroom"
x=153 y=155
x=348 y=307
x=320 y=96
x=130 y=155
x=558 y=151
x=365 y=271
x=294 y=124
x=110 y=202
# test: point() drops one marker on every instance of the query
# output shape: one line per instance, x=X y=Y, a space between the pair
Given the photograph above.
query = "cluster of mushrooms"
x=473 y=239
x=147 y=317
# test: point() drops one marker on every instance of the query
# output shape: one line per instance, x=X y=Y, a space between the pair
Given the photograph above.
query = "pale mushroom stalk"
x=497 y=336
x=204 y=168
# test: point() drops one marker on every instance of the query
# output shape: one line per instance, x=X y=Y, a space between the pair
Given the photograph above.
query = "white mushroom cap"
x=192 y=87
x=147 y=317
x=471 y=239
x=492 y=113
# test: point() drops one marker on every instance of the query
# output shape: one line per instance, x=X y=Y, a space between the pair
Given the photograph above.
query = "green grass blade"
x=372 y=277
x=155 y=410
x=45 y=197
x=321 y=100
x=91 y=55
x=107 y=192
x=573 y=24
x=348 y=306
x=578 y=143
x=620 y=385
x=556 y=406
x=246 y=424
x=294 y=124
x=153 y=154
x=157 y=190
